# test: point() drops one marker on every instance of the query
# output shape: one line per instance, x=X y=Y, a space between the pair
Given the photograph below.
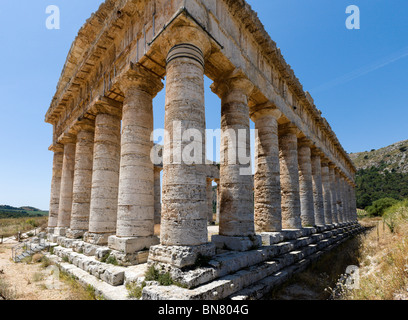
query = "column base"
x=271 y=238
x=100 y=239
x=132 y=244
x=291 y=234
x=60 y=231
x=50 y=230
x=75 y=234
x=180 y=256
x=237 y=243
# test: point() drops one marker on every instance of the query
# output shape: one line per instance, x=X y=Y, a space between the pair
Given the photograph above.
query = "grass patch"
x=135 y=290
x=163 y=278
x=384 y=259
x=6 y=291
x=11 y=226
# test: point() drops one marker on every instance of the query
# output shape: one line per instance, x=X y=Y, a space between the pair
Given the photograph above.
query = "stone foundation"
x=223 y=274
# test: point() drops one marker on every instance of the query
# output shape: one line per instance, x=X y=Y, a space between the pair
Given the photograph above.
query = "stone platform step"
x=246 y=273
x=232 y=261
x=111 y=274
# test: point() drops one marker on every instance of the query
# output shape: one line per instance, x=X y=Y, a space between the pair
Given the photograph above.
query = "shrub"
x=378 y=207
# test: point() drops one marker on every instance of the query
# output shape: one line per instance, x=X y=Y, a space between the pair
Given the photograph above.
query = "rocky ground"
x=29 y=281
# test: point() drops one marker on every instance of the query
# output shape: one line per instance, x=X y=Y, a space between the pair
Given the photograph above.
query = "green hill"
x=7 y=211
x=381 y=174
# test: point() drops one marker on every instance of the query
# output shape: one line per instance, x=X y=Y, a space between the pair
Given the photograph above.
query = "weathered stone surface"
x=81 y=194
x=105 y=179
x=180 y=256
x=317 y=188
x=113 y=192
x=307 y=214
x=55 y=185
x=236 y=183
x=268 y=215
x=184 y=202
x=65 y=202
x=326 y=193
x=289 y=175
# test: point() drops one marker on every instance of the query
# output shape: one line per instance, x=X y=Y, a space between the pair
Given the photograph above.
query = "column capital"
x=104 y=105
x=184 y=31
x=266 y=109
x=288 y=128
x=325 y=162
x=236 y=80
x=316 y=152
x=57 y=147
x=136 y=77
x=84 y=124
x=305 y=142
x=332 y=165
x=67 y=138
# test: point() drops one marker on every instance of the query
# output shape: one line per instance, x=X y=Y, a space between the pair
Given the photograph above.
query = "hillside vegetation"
x=7 y=212
x=381 y=174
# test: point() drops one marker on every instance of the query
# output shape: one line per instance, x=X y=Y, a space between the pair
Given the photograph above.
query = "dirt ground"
x=29 y=281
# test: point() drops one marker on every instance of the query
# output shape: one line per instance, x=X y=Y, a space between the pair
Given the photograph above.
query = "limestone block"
x=180 y=256
x=237 y=243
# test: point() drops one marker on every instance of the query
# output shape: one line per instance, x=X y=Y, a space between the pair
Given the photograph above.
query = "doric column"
x=236 y=229
x=209 y=193
x=333 y=192
x=346 y=208
x=58 y=150
x=268 y=214
x=183 y=230
x=354 y=217
x=157 y=195
x=317 y=188
x=350 y=201
x=289 y=175
x=217 y=220
x=67 y=178
x=105 y=177
x=81 y=198
x=306 y=183
x=135 y=215
x=184 y=202
x=339 y=196
x=326 y=192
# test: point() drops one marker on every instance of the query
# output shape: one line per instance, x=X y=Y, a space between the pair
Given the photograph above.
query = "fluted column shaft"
x=236 y=183
x=55 y=186
x=317 y=189
x=81 y=199
x=353 y=204
x=157 y=195
x=65 y=203
x=136 y=181
x=184 y=202
x=333 y=192
x=289 y=174
x=209 y=194
x=268 y=214
x=105 y=178
x=306 y=184
x=326 y=193
x=339 y=197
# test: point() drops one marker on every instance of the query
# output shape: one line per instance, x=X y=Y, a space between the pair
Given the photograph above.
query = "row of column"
x=295 y=184
x=103 y=179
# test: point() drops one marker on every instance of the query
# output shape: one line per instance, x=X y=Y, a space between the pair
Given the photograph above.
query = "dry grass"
x=383 y=259
x=10 y=227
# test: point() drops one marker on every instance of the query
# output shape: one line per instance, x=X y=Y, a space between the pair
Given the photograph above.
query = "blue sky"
x=356 y=77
